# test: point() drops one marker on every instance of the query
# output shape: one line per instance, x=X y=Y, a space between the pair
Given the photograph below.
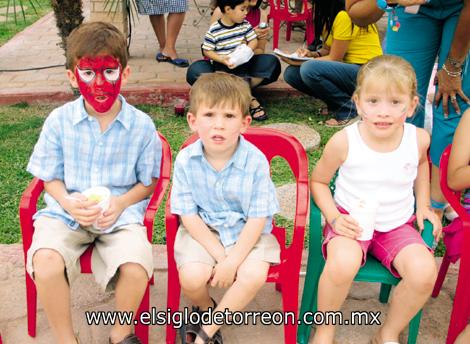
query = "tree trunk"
x=68 y=15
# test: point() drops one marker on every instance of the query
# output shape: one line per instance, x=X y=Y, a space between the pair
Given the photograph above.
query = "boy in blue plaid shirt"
x=97 y=139
x=225 y=198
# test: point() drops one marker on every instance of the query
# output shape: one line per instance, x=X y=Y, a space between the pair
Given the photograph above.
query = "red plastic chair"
x=28 y=209
x=279 y=11
x=286 y=275
x=461 y=308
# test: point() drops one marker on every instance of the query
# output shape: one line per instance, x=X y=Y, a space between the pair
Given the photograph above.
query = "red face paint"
x=99 y=81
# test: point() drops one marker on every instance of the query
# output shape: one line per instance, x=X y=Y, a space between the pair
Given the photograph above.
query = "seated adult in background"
x=223 y=37
x=437 y=29
x=331 y=74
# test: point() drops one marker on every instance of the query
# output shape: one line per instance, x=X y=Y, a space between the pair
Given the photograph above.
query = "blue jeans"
x=423 y=37
x=330 y=81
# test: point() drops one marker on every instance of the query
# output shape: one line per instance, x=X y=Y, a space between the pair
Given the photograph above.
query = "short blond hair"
x=220 y=88
x=390 y=70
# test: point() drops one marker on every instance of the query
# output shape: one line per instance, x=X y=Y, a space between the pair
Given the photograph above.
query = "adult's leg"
x=158 y=25
x=196 y=69
x=342 y=264
x=418 y=270
x=292 y=77
x=334 y=83
x=174 y=23
x=418 y=42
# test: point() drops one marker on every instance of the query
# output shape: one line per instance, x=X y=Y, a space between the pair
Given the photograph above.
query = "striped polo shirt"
x=224 y=39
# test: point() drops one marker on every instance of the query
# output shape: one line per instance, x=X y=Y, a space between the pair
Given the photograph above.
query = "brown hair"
x=391 y=70
x=93 y=39
x=220 y=88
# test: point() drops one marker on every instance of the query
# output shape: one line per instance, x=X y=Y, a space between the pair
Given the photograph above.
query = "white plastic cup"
x=241 y=55
x=364 y=212
x=102 y=195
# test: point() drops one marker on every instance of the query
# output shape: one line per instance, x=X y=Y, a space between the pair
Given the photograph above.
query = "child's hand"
x=224 y=274
x=426 y=213
x=84 y=211
x=111 y=215
x=345 y=225
x=228 y=63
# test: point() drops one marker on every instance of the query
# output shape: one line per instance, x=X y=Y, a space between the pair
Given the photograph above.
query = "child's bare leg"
x=436 y=193
x=193 y=279
x=343 y=262
x=54 y=293
x=251 y=276
x=464 y=336
x=418 y=270
x=130 y=289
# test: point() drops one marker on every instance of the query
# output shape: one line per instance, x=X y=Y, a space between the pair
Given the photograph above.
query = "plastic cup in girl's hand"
x=102 y=196
x=364 y=213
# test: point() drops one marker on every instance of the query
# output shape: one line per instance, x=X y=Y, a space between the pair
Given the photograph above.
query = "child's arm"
x=75 y=204
x=119 y=203
x=334 y=154
x=224 y=271
x=458 y=171
x=224 y=59
x=203 y=235
x=422 y=186
x=253 y=43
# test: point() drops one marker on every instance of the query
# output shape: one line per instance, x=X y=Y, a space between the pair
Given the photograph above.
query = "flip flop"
x=178 y=62
x=340 y=123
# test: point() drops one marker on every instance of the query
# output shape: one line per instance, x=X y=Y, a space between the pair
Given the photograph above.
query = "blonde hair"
x=220 y=88
x=390 y=70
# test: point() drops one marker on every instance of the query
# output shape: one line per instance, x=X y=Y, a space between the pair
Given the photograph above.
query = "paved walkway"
x=36 y=46
x=86 y=296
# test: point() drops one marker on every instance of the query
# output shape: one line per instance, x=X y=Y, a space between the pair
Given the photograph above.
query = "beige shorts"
x=188 y=250
x=128 y=244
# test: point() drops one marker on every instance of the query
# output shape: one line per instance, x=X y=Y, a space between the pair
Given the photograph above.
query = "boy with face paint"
x=96 y=140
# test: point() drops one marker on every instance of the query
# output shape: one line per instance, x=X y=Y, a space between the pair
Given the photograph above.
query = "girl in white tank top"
x=383 y=158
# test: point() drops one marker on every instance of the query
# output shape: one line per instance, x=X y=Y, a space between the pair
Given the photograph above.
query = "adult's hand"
x=262 y=33
x=449 y=87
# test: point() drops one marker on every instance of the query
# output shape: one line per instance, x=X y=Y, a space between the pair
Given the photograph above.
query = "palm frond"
x=12 y=8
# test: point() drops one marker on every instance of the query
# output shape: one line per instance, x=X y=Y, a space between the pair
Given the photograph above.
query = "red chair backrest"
x=29 y=199
x=280 y=9
x=453 y=197
x=276 y=143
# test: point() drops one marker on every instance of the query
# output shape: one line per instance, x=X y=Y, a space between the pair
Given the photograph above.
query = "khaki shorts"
x=127 y=244
x=188 y=250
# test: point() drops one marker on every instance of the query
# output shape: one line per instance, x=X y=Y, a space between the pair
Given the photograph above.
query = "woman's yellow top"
x=365 y=42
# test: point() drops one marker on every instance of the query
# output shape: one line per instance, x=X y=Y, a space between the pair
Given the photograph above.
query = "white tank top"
x=388 y=177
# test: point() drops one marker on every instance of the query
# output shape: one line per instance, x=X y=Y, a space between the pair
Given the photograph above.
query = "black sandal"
x=191 y=331
x=256 y=109
x=215 y=339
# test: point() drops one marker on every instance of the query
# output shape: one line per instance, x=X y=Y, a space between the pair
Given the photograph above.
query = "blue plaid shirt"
x=226 y=199
x=71 y=148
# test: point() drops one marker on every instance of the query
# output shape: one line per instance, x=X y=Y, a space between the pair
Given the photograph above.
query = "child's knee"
x=252 y=276
x=194 y=276
x=47 y=263
x=134 y=272
x=421 y=274
x=343 y=267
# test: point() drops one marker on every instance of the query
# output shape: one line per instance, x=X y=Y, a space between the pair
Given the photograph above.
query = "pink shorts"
x=384 y=245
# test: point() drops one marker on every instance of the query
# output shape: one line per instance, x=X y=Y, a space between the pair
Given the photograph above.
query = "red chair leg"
x=290 y=304
x=279 y=287
x=309 y=31
x=141 y=330
x=461 y=308
x=173 y=301
x=288 y=30
x=276 y=28
x=31 y=302
x=441 y=276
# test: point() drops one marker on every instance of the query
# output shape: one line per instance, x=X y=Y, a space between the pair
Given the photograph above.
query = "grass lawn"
x=8 y=28
x=20 y=126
